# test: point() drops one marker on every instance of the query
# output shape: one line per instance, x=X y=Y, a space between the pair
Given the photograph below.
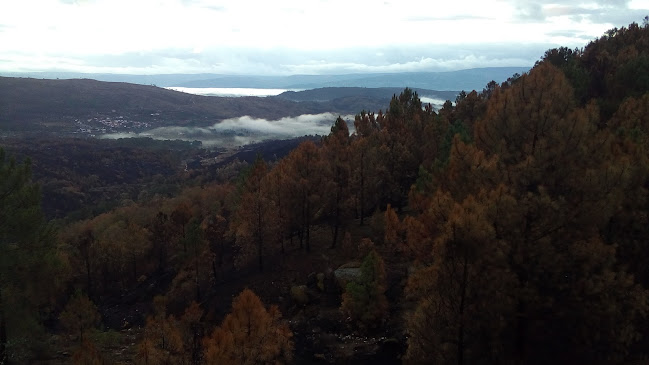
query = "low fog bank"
x=436 y=103
x=244 y=130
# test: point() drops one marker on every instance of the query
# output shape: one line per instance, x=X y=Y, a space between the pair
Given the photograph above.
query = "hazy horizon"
x=286 y=37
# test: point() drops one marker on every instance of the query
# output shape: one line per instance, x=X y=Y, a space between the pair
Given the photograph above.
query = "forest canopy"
x=508 y=228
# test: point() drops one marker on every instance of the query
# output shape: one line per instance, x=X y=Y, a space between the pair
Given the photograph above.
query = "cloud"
x=253 y=61
x=288 y=36
x=577 y=11
x=436 y=103
x=432 y=18
x=305 y=124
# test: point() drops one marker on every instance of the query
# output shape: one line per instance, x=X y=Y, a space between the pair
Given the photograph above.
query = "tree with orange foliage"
x=81 y=238
x=359 y=174
x=255 y=224
x=250 y=335
x=88 y=354
x=162 y=342
x=535 y=190
x=161 y=238
x=462 y=296
x=305 y=169
x=629 y=129
x=336 y=194
x=215 y=228
x=280 y=188
x=180 y=216
x=192 y=330
x=393 y=229
x=79 y=316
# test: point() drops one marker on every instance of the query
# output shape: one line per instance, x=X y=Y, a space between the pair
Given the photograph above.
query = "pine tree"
x=255 y=221
x=250 y=334
x=28 y=272
x=337 y=169
x=365 y=301
x=80 y=316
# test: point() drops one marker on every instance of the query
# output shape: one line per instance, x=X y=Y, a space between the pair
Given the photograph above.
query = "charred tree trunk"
x=339 y=194
x=460 y=334
x=3 y=331
x=362 y=202
x=308 y=227
x=88 y=280
x=260 y=234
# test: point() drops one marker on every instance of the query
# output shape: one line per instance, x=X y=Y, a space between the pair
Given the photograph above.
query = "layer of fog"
x=228 y=91
x=243 y=130
x=436 y=103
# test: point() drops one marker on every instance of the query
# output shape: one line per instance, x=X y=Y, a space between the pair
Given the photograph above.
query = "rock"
x=299 y=295
x=321 y=278
x=352 y=264
x=348 y=272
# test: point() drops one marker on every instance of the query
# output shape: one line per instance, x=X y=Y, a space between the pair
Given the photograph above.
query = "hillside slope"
x=54 y=105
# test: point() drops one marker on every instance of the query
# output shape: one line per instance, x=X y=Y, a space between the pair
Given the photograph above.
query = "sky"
x=285 y=37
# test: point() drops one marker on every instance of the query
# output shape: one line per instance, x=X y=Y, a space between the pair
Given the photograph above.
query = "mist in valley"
x=240 y=131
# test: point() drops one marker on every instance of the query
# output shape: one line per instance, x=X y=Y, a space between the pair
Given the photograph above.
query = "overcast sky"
x=281 y=37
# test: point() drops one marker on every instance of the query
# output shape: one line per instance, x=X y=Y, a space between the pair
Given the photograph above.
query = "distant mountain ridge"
x=468 y=79
x=55 y=106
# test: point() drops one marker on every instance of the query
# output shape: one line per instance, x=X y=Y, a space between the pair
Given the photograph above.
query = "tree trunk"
x=308 y=226
x=335 y=236
x=521 y=334
x=214 y=272
x=88 y=279
x=134 y=268
x=198 y=287
x=3 y=331
x=183 y=239
x=162 y=256
x=362 y=202
x=260 y=234
x=339 y=194
x=196 y=349
x=460 y=334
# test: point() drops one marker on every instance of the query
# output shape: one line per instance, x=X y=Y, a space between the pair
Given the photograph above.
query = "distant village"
x=103 y=124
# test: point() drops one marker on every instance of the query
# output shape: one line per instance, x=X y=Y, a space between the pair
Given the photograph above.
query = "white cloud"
x=436 y=103
x=306 y=124
x=639 y=4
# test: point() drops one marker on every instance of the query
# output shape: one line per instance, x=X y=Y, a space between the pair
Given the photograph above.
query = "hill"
x=57 y=106
x=468 y=79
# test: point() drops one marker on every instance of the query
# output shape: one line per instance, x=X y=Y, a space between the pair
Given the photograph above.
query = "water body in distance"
x=229 y=91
